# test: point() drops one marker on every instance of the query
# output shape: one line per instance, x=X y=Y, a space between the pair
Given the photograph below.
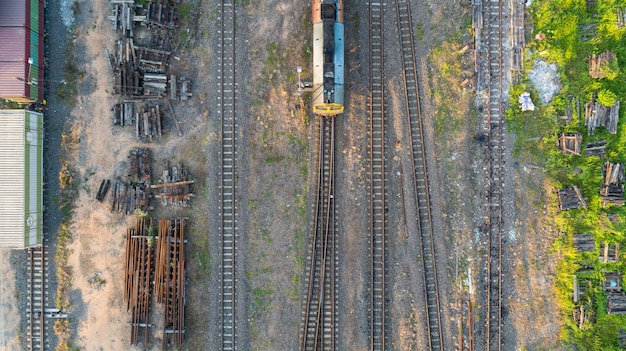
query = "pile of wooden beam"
x=570 y=197
x=123 y=114
x=584 y=243
x=170 y=279
x=621 y=17
x=140 y=166
x=582 y=288
x=138 y=270
x=154 y=85
x=612 y=190
x=597 y=115
x=616 y=303
x=148 y=123
x=103 y=189
x=569 y=143
x=140 y=71
x=598 y=64
x=174 y=188
x=581 y=314
x=161 y=15
x=610 y=254
x=151 y=60
x=126 y=198
x=127 y=76
x=180 y=89
x=621 y=338
x=123 y=17
x=595 y=148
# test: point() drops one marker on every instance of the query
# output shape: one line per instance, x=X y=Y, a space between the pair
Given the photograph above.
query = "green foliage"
x=606 y=97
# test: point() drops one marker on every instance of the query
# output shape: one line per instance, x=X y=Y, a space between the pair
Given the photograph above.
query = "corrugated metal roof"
x=10 y=84
x=14 y=44
x=12 y=168
x=14 y=13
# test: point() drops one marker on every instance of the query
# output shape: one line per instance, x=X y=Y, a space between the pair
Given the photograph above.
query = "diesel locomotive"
x=328 y=57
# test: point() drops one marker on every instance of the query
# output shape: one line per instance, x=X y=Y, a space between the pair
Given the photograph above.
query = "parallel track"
x=420 y=176
x=495 y=150
x=378 y=203
x=228 y=206
x=36 y=299
x=319 y=327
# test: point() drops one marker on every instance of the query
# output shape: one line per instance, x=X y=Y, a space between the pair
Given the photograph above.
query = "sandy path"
x=9 y=322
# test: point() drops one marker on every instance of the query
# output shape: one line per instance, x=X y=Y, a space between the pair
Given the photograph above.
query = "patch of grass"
x=419 y=30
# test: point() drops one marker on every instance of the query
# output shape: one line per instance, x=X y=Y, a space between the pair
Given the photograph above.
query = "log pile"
x=123 y=114
x=140 y=71
x=152 y=60
x=170 y=280
x=570 y=197
x=621 y=17
x=148 y=123
x=597 y=115
x=612 y=190
x=161 y=15
x=598 y=64
x=127 y=76
x=616 y=302
x=127 y=198
x=621 y=338
x=140 y=166
x=174 y=188
x=569 y=143
x=180 y=89
x=582 y=288
x=103 y=189
x=612 y=281
x=610 y=254
x=123 y=17
x=581 y=314
x=138 y=269
x=584 y=243
x=595 y=148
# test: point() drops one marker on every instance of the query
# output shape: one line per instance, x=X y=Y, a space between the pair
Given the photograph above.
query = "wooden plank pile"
x=621 y=338
x=123 y=114
x=581 y=314
x=123 y=17
x=140 y=166
x=170 y=279
x=612 y=190
x=598 y=64
x=127 y=198
x=180 y=89
x=570 y=197
x=616 y=302
x=597 y=115
x=595 y=148
x=138 y=269
x=152 y=60
x=584 y=243
x=582 y=288
x=161 y=15
x=569 y=143
x=139 y=71
x=612 y=281
x=174 y=188
x=127 y=76
x=621 y=17
x=103 y=189
x=610 y=254
x=148 y=123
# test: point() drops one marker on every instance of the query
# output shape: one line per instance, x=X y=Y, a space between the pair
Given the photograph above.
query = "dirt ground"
x=278 y=144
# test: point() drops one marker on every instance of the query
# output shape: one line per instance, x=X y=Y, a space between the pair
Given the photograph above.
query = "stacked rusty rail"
x=378 y=311
x=138 y=270
x=228 y=177
x=495 y=173
x=420 y=176
x=319 y=326
x=170 y=280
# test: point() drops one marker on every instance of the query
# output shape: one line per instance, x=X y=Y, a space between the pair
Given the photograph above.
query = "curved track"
x=319 y=326
x=495 y=150
x=228 y=207
x=36 y=326
x=420 y=176
x=378 y=311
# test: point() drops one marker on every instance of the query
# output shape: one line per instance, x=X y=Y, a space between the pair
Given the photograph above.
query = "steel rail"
x=36 y=299
x=420 y=175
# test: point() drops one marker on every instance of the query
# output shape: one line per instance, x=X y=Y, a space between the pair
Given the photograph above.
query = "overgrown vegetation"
x=573 y=32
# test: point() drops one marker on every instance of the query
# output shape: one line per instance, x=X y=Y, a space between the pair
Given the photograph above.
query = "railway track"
x=420 y=176
x=228 y=206
x=36 y=324
x=495 y=150
x=319 y=327
x=378 y=311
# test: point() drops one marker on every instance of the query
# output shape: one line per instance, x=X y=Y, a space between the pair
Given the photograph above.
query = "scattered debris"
x=546 y=80
x=180 y=89
x=526 y=104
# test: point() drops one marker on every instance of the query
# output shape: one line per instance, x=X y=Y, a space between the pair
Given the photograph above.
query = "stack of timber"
x=582 y=288
x=170 y=280
x=610 y=253
x=597 y=115
x=138 y=276
x=570 y=197
x=123 y=17
x=127 y=76
x=123 y=114
x=140 y=71
x=581 y=314
x=103 y=190
x=569 y=143
x=621 y=17
x=616 y=303
x=621 y=338
x=140 y=166
x=154 y=85
x=612 y=281
x=584 y=243
x=174 y=188
x=148 y=123
x=595 y=148
x=127 y=198
x=152 y=60
x=612 y=190
x=519 y=40
x=161 y=15
x=180 y=89
x=599 y=64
